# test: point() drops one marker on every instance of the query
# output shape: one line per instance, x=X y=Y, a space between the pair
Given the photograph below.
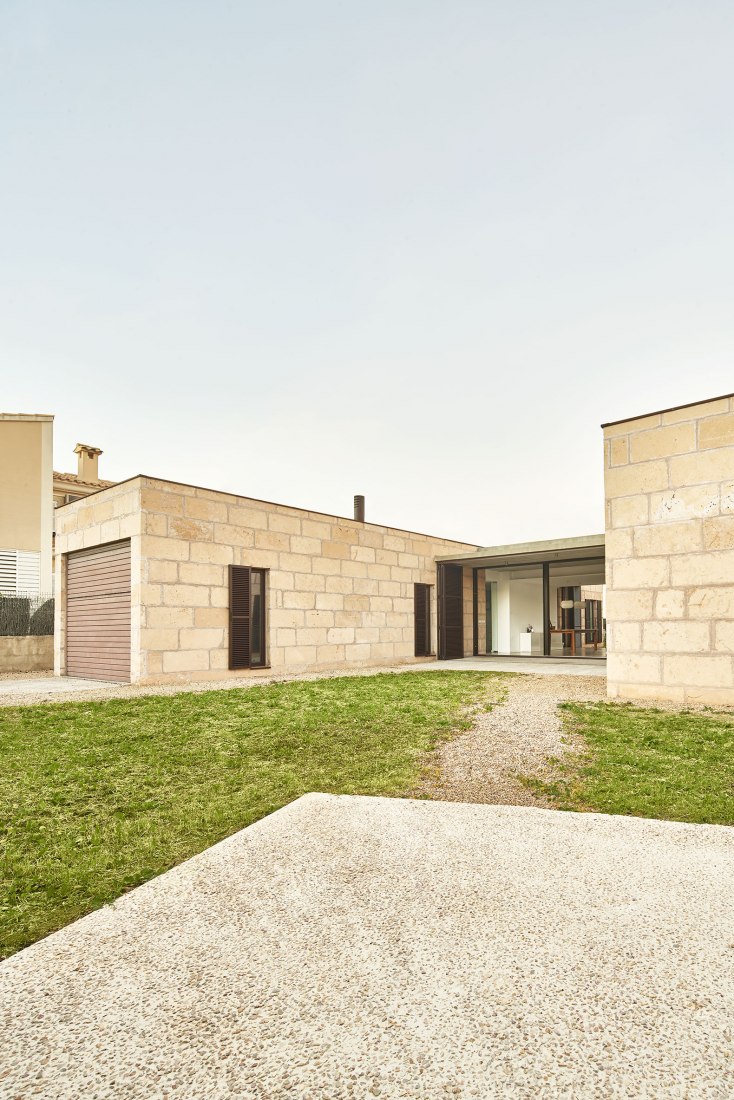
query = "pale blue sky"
x=413 y=249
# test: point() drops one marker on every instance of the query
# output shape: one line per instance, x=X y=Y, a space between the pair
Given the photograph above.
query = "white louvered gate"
x=20 y=572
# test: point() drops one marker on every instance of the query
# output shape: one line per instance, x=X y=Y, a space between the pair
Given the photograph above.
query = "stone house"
x=149 y=571
x=159 y=581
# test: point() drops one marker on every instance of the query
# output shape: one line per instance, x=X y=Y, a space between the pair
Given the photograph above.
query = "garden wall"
x=27 y=653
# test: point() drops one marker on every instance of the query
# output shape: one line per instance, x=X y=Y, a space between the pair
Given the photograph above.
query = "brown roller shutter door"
x=98 y=612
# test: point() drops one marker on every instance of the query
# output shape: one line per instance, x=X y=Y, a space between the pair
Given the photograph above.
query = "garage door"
x=98 y=612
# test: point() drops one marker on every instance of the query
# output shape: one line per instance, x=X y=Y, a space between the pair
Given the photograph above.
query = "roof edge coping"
x=670 y=409
x=271 y=504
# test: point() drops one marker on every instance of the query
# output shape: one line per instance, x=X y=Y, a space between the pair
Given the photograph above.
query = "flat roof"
x=26 y=416
x=515 y=553
x=670 y=409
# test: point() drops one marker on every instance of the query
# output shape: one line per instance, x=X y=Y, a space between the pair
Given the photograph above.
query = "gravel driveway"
x=515 y=738
x=348 y=948
x=28 y=689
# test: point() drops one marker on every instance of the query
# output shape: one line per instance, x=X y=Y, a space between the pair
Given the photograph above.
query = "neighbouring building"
x=160 y=581
x=30 y=491
x=26 y=503
x=70 y=487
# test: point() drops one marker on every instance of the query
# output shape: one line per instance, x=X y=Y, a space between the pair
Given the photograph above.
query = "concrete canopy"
x=525 y=553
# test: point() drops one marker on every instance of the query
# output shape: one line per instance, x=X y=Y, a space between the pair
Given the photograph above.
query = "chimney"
x=359 y=508
x=88 y=459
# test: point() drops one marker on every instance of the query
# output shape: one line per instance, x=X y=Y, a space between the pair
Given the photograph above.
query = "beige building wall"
x=669 y=481
x=26 y=486
x=339 y=593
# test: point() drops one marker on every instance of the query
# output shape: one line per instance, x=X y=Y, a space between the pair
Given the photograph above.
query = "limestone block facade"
x=669 y=485
x=339 y=593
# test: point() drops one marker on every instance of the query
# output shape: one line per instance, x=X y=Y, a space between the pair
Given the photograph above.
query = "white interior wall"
x=519 y=603
x=526 y=609
x=501 y=610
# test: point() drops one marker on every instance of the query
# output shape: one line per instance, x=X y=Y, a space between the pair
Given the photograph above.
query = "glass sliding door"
x=577 y=613
x=514 y=622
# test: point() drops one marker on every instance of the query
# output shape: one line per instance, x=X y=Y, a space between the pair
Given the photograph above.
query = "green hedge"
x=32 y=613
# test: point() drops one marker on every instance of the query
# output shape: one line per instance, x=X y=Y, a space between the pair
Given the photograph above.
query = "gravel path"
x=349 y=948
x=30 y=688
x=515 y=737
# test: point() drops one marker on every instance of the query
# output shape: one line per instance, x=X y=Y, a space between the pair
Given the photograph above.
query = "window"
x=257 y=621
x=422 y=601
x=247 y=647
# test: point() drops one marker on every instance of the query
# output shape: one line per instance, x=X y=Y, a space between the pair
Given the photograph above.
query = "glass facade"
x=552 y=609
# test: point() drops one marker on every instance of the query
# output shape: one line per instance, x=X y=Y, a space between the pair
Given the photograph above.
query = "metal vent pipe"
x=359 y=508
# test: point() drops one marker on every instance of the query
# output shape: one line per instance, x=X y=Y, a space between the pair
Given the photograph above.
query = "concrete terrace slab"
x=49 y=685
x=530 y=666
x=359 y=947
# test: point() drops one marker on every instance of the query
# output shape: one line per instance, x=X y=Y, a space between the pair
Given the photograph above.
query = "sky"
x=413 y=249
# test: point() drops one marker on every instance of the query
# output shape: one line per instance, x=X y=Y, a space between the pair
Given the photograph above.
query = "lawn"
x=677 y=765
x=96 y=798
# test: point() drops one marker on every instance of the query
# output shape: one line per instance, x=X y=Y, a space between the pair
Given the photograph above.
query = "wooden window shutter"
x=239 y=616
x=450 y=611
x=422 y=601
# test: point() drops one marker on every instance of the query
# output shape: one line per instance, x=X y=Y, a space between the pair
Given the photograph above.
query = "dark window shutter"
x=422 y=600
x=451 y=611
x=239 y=616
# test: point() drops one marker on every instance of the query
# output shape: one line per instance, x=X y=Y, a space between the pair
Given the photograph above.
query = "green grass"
x=96 y=798
x=647 y=763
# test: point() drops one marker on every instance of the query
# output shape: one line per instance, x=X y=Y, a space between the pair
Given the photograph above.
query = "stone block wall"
x=482 y=612
x=468 y=609
x=339 y=593
x=669 y=481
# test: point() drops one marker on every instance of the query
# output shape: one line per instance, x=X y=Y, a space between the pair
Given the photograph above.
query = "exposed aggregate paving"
x=347 y=948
